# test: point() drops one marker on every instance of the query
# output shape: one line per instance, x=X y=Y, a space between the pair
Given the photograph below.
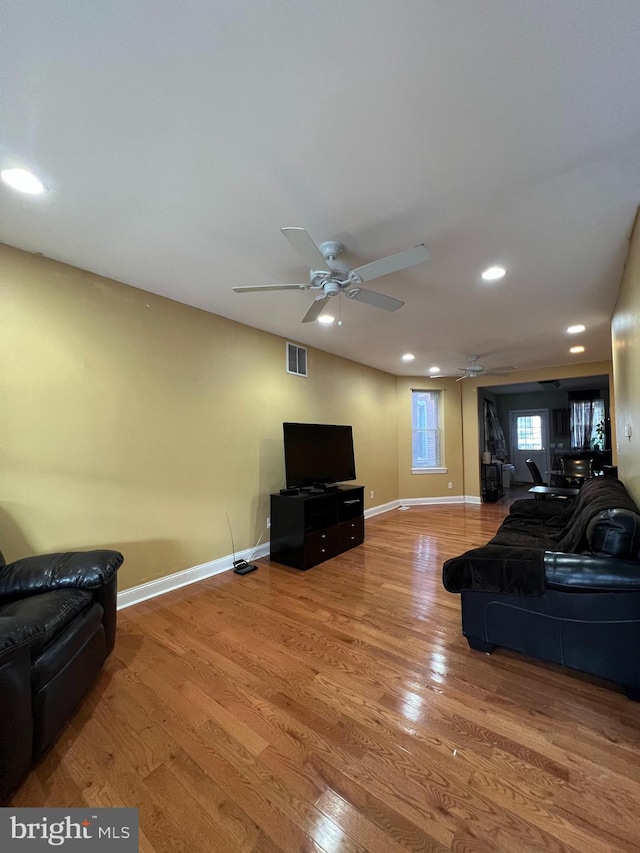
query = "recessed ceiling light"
x=494 y=273
x=575 y=330
x=408 y=356
x=576 y=349
x=434 y=370
x=22 y=181
x=326 y=319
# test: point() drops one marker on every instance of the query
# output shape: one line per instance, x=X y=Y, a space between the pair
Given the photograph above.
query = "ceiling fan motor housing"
x=331 y=287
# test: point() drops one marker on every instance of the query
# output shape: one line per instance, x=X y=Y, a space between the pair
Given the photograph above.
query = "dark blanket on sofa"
x=597 y=495
x=513 y=561
x=494 y=568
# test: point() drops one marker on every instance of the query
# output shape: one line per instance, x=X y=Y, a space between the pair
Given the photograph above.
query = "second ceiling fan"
x=474 y=369
x=329 y=276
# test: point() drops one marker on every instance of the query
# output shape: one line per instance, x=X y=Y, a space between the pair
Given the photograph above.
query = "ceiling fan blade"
x=460 y=378
x=378 y=300
x=305 y=247
x=317 y=307
x=392 y=263
x=254 y=288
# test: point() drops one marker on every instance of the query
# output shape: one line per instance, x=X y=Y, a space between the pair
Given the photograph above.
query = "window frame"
x=297 y=350
x=438 y=430
x=520 y=449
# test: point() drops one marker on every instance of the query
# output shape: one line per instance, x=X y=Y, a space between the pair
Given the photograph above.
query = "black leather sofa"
x=57 y=628
x=560 y=581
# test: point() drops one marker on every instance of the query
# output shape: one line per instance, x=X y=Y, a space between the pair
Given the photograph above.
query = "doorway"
x=529 y=439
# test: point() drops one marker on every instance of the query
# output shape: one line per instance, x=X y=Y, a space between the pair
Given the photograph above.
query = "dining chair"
x=576 y=471
x=535 y=472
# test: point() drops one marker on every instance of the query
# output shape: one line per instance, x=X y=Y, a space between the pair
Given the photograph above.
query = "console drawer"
x=351 y=533
x=321 y=546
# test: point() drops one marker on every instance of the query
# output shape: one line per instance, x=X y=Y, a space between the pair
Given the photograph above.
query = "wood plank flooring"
x=341 y=711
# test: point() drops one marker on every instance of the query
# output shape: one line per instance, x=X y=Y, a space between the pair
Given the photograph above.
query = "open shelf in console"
x=320 y=511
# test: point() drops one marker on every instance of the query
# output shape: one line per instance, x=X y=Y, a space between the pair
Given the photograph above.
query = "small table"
x=553 y=491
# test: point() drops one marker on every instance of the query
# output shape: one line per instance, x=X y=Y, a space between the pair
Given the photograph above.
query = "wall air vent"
x=296 y=360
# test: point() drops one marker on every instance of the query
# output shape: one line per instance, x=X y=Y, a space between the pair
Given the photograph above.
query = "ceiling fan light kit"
x=474 y=369
x=333 y=277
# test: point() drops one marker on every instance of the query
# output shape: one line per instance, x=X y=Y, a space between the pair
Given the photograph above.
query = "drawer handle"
x=323 y=550
x=323 y=536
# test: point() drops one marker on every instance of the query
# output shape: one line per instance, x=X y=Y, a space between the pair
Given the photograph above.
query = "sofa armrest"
x=16 y=636
x=76 y=569
x=590 y=573
x=16 y=716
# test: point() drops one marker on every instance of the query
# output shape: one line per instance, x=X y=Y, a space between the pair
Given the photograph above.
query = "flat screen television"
x=316 y=454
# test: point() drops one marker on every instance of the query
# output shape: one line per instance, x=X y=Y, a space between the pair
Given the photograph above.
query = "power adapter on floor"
x=241 y=567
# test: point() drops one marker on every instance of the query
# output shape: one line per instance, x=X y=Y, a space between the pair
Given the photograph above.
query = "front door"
x=529 y=429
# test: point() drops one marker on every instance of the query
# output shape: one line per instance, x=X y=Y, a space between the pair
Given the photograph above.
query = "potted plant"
x=598 y=443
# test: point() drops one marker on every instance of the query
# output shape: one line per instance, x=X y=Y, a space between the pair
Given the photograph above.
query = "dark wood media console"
x=307 y=529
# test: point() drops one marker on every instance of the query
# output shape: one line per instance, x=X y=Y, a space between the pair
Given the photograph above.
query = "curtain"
x=586 y=415
x=494 y=440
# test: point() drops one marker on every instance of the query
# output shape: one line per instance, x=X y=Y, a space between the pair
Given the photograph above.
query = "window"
x=587 y=425
x=529 y=432
x=296 y=360
x=426 y=433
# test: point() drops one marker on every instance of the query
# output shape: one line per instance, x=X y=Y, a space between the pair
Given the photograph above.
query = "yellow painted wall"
x=430 y=485
x=625 y=332
x=135 y=422
x=471 y=446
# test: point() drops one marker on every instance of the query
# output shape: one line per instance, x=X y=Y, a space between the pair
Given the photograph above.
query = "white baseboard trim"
x=472 y=499
x=378 y=510
x=160 y=586
x=441 y=499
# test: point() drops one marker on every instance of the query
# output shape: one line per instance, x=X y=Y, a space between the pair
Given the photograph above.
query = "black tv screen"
x=318 y=453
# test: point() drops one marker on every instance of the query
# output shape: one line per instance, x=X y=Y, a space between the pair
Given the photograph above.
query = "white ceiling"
x=177 y=138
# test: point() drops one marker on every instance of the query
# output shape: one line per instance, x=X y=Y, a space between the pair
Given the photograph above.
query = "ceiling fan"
x=329 y=276
x=474 y=369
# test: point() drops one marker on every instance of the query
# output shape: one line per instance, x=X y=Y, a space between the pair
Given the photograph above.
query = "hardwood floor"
x=341 y=711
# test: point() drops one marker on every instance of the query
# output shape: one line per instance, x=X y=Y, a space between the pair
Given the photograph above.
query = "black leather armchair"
x=57 y=628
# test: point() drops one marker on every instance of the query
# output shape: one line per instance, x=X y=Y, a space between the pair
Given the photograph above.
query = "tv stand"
x=308 y=528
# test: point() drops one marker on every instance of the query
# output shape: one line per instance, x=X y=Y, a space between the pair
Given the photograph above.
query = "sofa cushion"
x=540 y=509
x=519 y=532
x=615 y=533
x=66 y=570
x=51 y=612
